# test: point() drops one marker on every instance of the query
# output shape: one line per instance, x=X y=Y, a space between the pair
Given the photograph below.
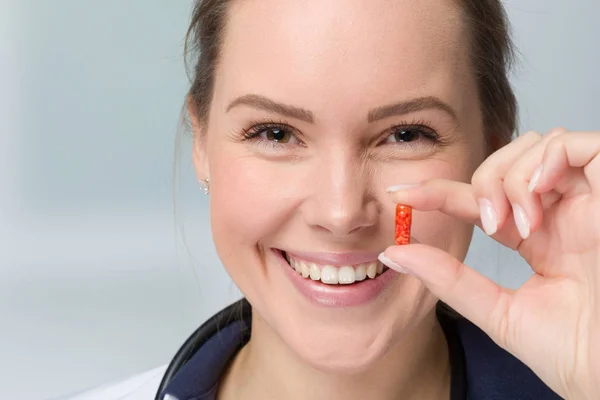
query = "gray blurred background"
x=95 y=281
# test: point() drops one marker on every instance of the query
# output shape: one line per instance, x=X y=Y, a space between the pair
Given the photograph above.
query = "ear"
x=199 y=154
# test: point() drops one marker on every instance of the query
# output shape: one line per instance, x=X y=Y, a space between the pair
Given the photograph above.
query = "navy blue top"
x=480 y=370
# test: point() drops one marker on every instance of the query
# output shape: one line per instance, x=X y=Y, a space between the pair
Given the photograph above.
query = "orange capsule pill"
x=403 y=223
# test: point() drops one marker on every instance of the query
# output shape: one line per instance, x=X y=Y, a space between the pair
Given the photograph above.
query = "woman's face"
x=318 y=107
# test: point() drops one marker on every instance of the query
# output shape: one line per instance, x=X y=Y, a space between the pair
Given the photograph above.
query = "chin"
x=340 y=351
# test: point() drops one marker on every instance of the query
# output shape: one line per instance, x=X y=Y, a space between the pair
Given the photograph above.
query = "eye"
x=412 y=135
x=272 y=134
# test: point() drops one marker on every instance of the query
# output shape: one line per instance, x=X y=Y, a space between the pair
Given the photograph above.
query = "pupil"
x=277 y=135
x=405 y=136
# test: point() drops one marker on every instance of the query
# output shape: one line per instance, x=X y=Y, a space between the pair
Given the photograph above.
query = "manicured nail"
x=489 y=218
x=535 y=179
x=386 y=261
x=522 y=222
x=405 y=186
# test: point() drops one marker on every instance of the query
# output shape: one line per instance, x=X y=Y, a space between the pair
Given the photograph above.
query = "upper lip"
x=335 y=258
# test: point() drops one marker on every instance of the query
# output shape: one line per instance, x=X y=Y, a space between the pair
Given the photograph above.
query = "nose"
x=343 y=201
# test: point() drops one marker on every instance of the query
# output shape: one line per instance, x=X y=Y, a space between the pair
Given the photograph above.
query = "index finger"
x=449 y=197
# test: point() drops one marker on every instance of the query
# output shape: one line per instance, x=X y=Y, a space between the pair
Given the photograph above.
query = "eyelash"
x=421 y=126
x=257 y=128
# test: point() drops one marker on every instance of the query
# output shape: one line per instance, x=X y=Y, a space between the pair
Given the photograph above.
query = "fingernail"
x=521 y=221
x=535 y=178
x=405 y=186
x=489 y=218
x=386 y=261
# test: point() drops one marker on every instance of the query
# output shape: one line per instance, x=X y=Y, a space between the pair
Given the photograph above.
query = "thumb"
x=471 y=294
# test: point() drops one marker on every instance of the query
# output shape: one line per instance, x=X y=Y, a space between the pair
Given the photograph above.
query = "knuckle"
x=555 y=133
x=511 y=182
x=530 y=136
x=484 y=175
x=516 y=173
x=555 y=144
x=481 y=179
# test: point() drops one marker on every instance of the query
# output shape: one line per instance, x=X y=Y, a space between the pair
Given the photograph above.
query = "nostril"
x=346 y=229
x=345 y=206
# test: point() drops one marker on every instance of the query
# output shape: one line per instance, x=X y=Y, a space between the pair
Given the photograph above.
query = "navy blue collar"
x=480 y=370
x=199 y=378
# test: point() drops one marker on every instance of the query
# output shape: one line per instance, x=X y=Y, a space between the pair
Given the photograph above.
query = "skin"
x=325 y=189
x=552 y=322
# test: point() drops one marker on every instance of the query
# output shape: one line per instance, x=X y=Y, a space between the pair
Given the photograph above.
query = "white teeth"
x=305 y=270
x=329 y=275
x=315 y=272
x=361 y=273
x=296 y=266
x=372 y=270
x=346 y=275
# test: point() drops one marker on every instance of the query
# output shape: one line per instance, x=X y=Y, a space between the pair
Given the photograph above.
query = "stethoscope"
x=198 y=338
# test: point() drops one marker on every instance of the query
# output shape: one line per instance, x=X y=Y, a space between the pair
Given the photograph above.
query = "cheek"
x=238 y=207
x=249 y=200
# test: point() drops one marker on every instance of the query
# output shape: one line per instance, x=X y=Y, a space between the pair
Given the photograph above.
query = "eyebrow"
x=397 y=109
x=266 y=104
x=406 y=107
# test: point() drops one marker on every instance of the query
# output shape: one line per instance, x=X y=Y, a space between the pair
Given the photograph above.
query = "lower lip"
x=353 y=295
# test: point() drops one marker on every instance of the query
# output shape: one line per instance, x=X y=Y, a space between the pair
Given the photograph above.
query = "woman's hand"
x=539 y=195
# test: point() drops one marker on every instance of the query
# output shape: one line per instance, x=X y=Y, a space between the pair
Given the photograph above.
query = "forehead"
x=323 y=54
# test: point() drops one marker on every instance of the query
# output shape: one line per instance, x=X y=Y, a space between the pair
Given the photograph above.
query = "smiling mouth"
x=335 y=274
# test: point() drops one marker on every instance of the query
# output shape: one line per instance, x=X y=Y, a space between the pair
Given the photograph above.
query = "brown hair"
x=492 y=54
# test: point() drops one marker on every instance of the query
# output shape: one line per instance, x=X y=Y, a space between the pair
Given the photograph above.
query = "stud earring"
x=205 y=185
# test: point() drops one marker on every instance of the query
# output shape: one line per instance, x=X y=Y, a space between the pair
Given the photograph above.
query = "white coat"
x=138 y=387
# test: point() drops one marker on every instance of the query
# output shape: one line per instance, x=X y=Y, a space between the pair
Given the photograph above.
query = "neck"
x=416 y=368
